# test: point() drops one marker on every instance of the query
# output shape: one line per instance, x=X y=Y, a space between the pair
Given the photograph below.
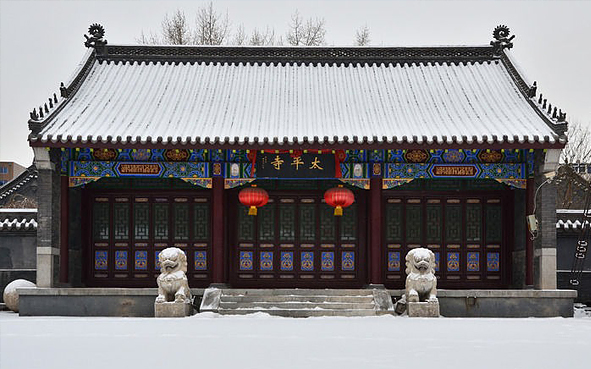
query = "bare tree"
x=259 y=38
x=212 y=27
x=175 y=30
x=308 y=33
x=150 y=39
x=362 y=36
x=578 y=148
x=239 y=36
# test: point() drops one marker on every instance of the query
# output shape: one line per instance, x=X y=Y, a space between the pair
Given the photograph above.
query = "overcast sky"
x=41 y=42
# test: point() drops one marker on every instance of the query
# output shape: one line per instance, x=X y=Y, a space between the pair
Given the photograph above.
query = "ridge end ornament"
x=96 y=32
x=501 y=39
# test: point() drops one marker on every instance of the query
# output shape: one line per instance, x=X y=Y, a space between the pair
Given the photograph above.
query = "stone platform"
x=140 y=302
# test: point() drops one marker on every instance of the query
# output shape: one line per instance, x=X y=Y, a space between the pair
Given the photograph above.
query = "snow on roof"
x=18 y=224
x=569 y=224
x=271 y=95
x=18 y=182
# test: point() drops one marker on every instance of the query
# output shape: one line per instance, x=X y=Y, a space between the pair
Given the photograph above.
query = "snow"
x=261 y=341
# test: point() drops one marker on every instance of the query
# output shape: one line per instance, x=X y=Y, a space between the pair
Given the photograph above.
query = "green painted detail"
x=349 y=223
x=494 y=223
x=201 y=222
x=414 y=223
x=121 y=221
x=266 y=219
x=307 y=222
x=100 y=221
x=245 y=224
x=327 y=223
x=181 y=221
x=453 y=223
x=473 y=222
x=393 y=223
x=160 y=214
x=141 y=221
x=286 y=222
x=434 y=223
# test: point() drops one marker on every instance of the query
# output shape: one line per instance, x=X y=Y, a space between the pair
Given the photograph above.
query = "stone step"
x=297 y=291
x=297 y=298
x=302 y=313
x=293 y=305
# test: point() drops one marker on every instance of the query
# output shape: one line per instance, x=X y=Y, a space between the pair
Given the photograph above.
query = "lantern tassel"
x=338 y=211
x=252 y=210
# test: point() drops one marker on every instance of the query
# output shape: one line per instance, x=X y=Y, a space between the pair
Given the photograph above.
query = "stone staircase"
x=298 y=302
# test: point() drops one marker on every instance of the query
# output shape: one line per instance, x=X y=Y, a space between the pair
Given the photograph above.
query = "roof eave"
x=306 y=145
x=67 y=91
x=529 y=93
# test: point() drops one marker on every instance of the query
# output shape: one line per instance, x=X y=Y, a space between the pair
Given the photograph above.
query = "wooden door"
x=127 y=231
x=469 y=234
x=296 y=241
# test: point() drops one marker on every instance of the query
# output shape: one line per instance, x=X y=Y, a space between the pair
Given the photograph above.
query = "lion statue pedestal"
x=174 y=296
x=420 y=299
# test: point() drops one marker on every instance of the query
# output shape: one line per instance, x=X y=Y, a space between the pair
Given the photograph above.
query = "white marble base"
x=172 y=309
x=423 y=309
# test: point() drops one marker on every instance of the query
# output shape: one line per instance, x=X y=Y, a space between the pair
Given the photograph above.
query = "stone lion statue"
x=421 y=283
x=172 y=281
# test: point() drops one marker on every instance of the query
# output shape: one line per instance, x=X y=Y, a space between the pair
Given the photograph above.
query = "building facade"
x=148 y=147
x=9 y=170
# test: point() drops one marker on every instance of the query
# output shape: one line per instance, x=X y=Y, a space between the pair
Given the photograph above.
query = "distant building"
x=18 y=228
x=9 y=170
x=571 y=202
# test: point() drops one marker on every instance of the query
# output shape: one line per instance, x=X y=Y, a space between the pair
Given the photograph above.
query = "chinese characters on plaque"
x=286 y=165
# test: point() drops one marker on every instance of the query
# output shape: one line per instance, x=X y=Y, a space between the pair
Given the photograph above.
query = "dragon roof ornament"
x=95 y=39
x=502 y=40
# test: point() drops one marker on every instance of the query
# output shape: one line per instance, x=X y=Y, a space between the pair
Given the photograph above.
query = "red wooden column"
x=375 y=221
x=218 y=229
x=529 y=243
x=64 y=234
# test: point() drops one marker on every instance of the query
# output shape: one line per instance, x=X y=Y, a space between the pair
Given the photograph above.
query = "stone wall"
x=545 y=242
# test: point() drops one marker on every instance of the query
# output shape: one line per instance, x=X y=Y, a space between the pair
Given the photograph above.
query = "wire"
x=536 y=194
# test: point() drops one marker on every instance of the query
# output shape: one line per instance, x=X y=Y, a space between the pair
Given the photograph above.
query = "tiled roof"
x=18 y=224
x=569 y=224
x=225 y=95
x=18 y=182
x=18 y=219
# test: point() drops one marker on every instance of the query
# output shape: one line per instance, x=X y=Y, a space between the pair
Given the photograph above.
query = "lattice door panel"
x=127 y=231
x=468 y=235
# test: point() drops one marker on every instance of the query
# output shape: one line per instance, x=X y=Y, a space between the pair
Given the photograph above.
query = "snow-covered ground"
x=260 y=341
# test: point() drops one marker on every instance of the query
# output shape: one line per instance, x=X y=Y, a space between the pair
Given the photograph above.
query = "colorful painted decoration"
x=141 y=260
x=307 y=261
x=492 y=262
x=267 y=260
x=473 y=262
x=453 y=261
x=327 y=261
x=254 y=197
x=101 y=260
x=394 y=261
x=286 y=261
x=246 y=260
x=200 y=260
x=339 y=198
x=348 y=262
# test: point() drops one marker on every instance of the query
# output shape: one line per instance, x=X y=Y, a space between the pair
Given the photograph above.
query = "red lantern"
x=253 y=197
x=339 y=198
